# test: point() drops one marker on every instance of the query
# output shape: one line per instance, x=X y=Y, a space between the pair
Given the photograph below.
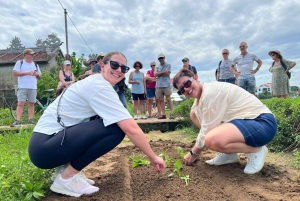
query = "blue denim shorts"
x=150 y=93
x=259 y=131
x=229 y=80
x=248 y=84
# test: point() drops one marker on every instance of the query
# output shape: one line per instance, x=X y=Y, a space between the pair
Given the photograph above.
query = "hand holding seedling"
x=158 y=163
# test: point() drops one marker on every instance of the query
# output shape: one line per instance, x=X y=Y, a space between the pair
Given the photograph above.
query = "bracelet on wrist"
x=193 y=153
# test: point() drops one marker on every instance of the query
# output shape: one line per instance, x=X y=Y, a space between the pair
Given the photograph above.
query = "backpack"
x=21 y=62
x=284 y=66
x=217 y=69
x=122 y=86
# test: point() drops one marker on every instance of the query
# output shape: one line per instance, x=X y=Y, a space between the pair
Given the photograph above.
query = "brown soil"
x=117 y=180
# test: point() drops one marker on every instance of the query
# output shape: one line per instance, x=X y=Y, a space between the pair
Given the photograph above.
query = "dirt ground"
x=117 y=180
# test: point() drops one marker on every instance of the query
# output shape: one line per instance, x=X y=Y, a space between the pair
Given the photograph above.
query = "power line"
x=76 y=28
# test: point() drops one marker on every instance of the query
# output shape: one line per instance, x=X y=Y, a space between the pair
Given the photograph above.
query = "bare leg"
x=142 y=106
x=69 y=172
x=162 y=106
x=30 y=110
x=227 y=138
x=170 y=103
x=135 y=106
x=149 y=106
x=20 y=109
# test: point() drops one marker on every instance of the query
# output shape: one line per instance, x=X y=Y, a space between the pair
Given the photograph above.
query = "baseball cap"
x=100 y=55
x=185 y=59
x=28 y=51
x=160 y=55
x=67 y=62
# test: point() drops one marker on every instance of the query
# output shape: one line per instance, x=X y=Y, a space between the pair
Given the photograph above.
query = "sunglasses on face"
x=161 y=58
x=184 y=60
x=225 y=53
x=138 y=66
x=273 y=54
x=152 y=65
x=115 y=65
x=186 y=84
x=242 y=46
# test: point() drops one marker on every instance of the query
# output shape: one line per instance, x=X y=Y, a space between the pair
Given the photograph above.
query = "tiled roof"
x=267 y=85
x=13 y=57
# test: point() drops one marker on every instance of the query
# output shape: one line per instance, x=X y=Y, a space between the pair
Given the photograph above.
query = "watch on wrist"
x=193 y=153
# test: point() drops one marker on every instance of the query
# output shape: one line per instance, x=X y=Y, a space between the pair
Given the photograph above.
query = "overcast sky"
x=141 y=29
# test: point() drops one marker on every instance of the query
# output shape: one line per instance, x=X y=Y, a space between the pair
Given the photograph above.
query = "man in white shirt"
x=27 y=72
x=245 y=72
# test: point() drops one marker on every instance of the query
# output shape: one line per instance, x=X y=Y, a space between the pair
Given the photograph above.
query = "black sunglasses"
x=242 y=46
x=115 y=65
x=185 y=84
x=225 y=53
x=273 y=54
x=152 y=65
x=184 y=60
x=161 y=58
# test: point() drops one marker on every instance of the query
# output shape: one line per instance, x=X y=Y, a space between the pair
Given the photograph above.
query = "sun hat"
x=28 y=51
x=275 y=51
x=160 y=55
x=67 y=62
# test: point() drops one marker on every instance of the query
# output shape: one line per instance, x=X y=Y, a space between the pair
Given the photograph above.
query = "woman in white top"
x=69 y=133
x=231 y=121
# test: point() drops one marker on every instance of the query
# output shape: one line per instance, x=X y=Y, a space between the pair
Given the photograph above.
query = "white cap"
x=67 y=62
x=160 y=55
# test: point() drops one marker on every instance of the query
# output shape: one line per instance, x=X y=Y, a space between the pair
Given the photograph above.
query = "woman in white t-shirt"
x=231 y=121
x=70 y=135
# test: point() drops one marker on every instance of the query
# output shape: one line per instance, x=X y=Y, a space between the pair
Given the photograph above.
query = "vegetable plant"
x=138 y=161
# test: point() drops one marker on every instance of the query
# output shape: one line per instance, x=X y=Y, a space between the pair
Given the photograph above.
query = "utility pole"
x=66 y=28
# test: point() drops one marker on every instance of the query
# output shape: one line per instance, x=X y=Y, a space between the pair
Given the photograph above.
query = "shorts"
x=229 y=80
x=138 y=96
x=259 y=131
x=163 y=91
x=26 y=94
x=150 y=93
x=248 y=84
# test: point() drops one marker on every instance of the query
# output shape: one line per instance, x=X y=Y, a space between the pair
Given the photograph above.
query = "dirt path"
x=117 y=180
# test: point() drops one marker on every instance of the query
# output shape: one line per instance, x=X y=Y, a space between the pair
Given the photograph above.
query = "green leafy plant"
x=181 y=152
x=168 y=160
x=138 y=161
x=186 y=178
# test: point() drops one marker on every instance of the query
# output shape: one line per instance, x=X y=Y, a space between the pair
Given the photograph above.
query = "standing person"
x=97 y=68
x=66 y=77
x=224 y=73
x=280 y=70
x=242 y=125
x=27 y=72
x=92 y=63
x=76 y=140
x=120 y=88
x=163 y=85
x=150 y=85
x=244 y=72
x=136 y=78
x=186 y=64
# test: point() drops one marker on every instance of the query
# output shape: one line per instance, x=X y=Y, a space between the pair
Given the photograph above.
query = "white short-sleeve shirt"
x=245 y=64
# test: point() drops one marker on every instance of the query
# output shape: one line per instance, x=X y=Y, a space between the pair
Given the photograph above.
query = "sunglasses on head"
x=115 y=65
x=186 y=84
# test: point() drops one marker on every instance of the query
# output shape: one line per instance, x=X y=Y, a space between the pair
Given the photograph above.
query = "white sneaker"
x=221 y=159
x=61 y=168
x=256 y=161
x=74 y=186
x=136 y=117
x=144 y=117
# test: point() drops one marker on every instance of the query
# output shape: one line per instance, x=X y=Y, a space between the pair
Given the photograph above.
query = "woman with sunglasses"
x=280 y=69
x=231 y=121
x=83 y=124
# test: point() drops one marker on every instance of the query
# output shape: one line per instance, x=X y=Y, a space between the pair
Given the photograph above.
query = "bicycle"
x=13 y=107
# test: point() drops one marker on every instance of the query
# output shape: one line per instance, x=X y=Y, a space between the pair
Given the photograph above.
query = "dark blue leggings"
x=83 y=143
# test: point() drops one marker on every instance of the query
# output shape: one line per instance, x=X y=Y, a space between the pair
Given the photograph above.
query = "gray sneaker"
x=31 y=122
x=15 y=124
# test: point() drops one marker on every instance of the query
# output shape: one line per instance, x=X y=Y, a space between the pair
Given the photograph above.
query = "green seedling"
x=180 y=152
x=167 y=158
x=178 y=167
x=138 y=161
x=186 y=178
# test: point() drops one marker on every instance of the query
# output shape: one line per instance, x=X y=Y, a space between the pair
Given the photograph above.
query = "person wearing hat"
x=163 y=86
x=280 y=74
x=27 y=72
x=66 y=77
x=97 y=68
x=245 y=71
x=91 y=63
x=186 y=64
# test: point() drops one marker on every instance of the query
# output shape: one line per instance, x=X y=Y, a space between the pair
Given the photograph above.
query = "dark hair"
x=107 y=57
x=181 y=73
x=138 y=62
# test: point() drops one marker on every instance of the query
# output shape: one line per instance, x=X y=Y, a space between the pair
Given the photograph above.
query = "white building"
x=261 y=88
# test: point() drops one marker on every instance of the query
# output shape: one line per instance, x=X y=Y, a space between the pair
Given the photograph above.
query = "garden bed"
x=117 y=180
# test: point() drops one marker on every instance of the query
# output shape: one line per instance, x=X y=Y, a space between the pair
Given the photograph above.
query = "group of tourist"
x=240 y=71
x=88 y=119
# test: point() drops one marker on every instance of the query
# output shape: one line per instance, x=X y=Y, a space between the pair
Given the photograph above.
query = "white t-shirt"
x=27 y=81
x=222 y=102
x=82 y=100
x=245 y=64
